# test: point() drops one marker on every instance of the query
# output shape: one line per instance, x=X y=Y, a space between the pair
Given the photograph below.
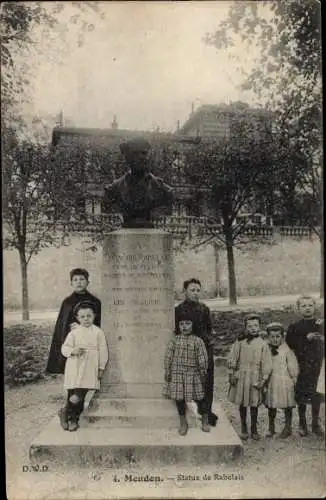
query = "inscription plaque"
x=138 y=294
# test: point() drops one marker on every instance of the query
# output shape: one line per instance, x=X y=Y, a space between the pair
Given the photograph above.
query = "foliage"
x=236 y=172
x=289 y=37
x=20 y=21
x=40 y=191
x=26 y=349
x=287 y=77
x=43 y=188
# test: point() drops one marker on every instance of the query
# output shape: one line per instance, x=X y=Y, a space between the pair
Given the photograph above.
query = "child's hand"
x=78 y=352
x=313 y=335
x=232 y=379
x=167 y=377
x=73 y=325
x=259 y=385
x=100 y=374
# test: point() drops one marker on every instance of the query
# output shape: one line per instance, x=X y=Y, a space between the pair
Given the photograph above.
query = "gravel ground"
x=291 y=468
x=270 y=469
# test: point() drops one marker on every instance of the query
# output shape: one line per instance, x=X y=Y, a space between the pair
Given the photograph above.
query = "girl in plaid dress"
x=185 y=365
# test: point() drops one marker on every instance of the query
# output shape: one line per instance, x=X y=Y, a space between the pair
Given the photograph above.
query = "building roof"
x=118 y=134
x=230 y=109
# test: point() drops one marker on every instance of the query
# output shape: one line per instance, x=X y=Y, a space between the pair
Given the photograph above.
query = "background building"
x=207 y=122
x=220 y=121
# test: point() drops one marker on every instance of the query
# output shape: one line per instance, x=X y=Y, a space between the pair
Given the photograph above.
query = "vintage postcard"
x=163 y=249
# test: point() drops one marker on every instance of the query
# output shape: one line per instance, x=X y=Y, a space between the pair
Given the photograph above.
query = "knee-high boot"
x=287 y=430
x=315 y=409
x=303 y=428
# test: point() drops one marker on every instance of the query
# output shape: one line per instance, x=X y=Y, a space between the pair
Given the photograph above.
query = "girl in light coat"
x=281 y=384
x=250 y=365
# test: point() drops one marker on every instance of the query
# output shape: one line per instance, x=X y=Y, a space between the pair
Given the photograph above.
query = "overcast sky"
x=146 y=63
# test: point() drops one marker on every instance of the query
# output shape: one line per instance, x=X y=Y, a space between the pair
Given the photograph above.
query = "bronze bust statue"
x=138 y=191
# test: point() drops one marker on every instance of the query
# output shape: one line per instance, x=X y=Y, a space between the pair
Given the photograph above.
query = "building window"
x=180 y=209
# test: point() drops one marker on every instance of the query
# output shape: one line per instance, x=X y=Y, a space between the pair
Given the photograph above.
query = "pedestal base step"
x=135 y=413
x=131 y=390
x=120 y=447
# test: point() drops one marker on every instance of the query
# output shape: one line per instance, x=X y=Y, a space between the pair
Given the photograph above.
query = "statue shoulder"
x=160 y=184
x=116 y=184
x=155 y=179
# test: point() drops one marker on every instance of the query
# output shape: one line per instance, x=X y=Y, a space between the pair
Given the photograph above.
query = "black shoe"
x=244 y=433
x=318 y=430
x=183 y=429
x=63 y=418
x=303 y=429
x=212 y=419
x=285 y=433
x=73 y=426
x=255 y=436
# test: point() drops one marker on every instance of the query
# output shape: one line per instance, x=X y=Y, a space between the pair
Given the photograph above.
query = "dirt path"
x=216 y=304
x=270 y=469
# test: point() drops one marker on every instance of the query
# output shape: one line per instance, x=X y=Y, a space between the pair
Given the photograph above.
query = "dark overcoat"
x=309 y=354
x=200 y=315
x=56 y=362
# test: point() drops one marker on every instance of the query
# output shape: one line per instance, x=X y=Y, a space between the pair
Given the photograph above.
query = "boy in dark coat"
x=202 y=327
x=305 y=338
x=66 y=320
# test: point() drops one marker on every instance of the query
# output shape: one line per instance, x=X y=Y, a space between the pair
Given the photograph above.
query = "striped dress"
x=281 y=384
x=249 y=361
x=185 y=365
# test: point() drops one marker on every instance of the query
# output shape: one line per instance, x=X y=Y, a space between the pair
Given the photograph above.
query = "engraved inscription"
x=143 y=275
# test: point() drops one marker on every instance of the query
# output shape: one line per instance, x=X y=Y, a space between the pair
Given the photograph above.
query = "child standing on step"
x=79 y=280
x=280 y=386
x=250 y=365
x=306 y=339
x=87 y=355
x=185 y=365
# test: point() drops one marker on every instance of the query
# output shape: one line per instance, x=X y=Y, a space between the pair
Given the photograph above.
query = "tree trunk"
x=217 y=268
x=321 y=237
x=25 y=301
x=231 y=267
x=322 y=264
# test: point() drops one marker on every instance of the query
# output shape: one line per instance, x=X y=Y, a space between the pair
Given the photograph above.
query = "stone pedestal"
x=138 y=319
x=137 y=312
x=128 y=422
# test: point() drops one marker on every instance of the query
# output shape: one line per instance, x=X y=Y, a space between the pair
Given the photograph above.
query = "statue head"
x=135 y=153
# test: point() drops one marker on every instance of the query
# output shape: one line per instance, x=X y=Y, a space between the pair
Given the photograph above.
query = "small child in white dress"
x=281 y=383
x=87 y=355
